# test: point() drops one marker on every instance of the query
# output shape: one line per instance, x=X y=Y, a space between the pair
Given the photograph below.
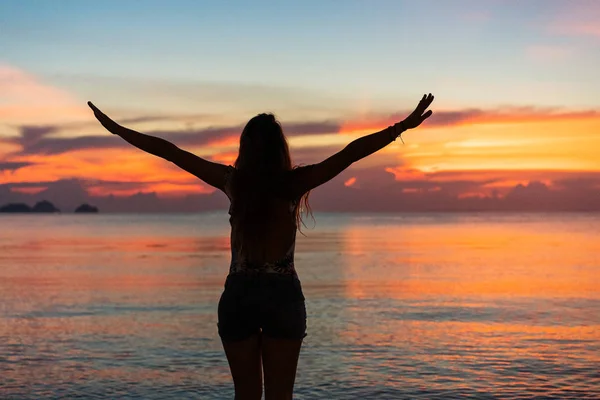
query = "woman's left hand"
x=419 y=115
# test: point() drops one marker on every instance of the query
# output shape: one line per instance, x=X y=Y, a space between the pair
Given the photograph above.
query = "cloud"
x=582 y=27
x=29 y=190
x=24 y=99
x=577 y=19
x=575 y=29
x=39 y=139
x=586 y=29
x=423 y=182
x=14 y=165
x=67 y=194
x=506 y=115
x=51 y=146
x=379 y=192
x=32 y=134
x=350 y=182
x=578 y=183
x=311 y=128
x=472 y=116
x=36 y=140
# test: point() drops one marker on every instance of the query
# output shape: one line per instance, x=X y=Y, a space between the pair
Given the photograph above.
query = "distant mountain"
x=40 y=207
x=86 y=208
x=44 y=206
x=15 y=208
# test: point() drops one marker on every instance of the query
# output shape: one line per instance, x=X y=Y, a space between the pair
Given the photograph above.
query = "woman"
x=262 y=317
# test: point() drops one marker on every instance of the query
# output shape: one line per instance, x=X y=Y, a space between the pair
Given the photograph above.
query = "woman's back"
x=272 y=224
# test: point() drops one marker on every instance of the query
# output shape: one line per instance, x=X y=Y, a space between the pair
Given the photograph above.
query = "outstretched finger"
x=430 y=99
x=424 y=103
x=94 y=108
x=426 y=115
x=427 y=102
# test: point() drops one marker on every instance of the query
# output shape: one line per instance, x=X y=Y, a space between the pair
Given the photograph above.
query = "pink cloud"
x=578 y=19
x=24 y=99
x=577 y=29
x=29 y=190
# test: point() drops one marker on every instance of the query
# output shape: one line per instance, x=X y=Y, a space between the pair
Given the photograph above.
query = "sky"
x=516 y=119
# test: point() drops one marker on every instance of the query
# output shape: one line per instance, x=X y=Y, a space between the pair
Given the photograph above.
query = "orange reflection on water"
x=470 y=259
x=459 y=303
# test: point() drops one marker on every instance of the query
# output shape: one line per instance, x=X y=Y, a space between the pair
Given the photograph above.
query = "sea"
x=400 y=306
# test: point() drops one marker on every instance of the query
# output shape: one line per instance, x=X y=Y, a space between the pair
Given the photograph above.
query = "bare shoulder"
x=294 y=181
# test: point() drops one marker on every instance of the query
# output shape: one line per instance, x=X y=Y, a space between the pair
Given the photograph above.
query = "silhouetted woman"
x=262 y=317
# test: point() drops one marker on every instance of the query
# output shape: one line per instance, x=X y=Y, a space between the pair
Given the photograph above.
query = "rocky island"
x=86 y=208
x=39 y=207
x=44 y=207
x=15 y=208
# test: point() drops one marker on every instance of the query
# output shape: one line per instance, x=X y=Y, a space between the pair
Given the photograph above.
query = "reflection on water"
x=400 y=306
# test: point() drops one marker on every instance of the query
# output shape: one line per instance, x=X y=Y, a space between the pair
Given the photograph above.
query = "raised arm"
x=210 y=172
x=311 y=176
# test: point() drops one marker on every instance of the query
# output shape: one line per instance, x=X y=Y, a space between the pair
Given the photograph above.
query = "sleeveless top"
x=239 y=265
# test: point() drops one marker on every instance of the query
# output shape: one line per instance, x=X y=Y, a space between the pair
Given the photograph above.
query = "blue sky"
x=470 y=53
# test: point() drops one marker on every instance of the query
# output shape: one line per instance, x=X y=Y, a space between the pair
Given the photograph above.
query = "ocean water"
x=415 y=306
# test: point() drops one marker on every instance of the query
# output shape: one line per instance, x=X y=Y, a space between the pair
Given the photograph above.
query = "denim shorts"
x=269 y=303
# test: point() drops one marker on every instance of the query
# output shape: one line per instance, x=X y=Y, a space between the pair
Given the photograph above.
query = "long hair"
x=263 y=160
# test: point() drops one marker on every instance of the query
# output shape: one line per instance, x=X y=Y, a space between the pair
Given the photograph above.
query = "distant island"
x=86 y=208
x=44 y=207
x=15 y=208
x=39 y=207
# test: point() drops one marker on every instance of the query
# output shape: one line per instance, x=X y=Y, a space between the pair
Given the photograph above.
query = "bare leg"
x=245 y=365
x=280 y=360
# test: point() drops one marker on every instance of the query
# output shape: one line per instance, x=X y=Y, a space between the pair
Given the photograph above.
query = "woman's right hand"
x=419 y=115
x=106 y=122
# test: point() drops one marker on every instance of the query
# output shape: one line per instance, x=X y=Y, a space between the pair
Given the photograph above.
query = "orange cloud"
x=229 y=141
x=350 y=182
x=519 y=139
x=225 y=158
x=405 y=174
x=165 y=189
x=508 y=115
x=150 y=174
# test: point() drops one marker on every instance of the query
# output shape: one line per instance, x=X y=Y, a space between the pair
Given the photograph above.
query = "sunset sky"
x=517 y=89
